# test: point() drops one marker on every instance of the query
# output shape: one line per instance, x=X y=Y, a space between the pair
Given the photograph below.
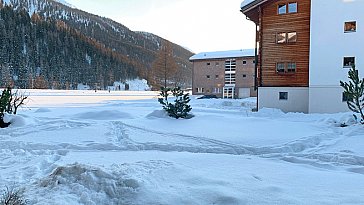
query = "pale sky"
x=199 y=25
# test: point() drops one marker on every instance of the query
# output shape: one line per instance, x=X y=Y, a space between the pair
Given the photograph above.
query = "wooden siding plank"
x=273 y=23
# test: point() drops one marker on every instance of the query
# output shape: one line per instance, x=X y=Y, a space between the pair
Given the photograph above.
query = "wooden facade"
x=270 y=24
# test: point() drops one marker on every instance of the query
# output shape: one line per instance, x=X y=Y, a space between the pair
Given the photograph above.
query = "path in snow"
x=94 y=155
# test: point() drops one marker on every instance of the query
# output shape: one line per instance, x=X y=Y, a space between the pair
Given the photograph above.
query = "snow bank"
x=132 y=85
x=91 y=185
x=43 y=110
x=81 y=86
x=103 y=115
x=15 y=120
x=158 y=114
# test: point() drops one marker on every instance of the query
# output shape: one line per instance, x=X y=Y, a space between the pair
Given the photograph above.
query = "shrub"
x=180 y=107
x=13 y=197
x=9 y=103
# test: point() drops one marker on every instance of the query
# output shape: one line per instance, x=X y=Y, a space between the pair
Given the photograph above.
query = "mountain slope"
x=136 y=48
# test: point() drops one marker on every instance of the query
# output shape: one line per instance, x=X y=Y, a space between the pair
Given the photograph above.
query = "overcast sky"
x=199 y=25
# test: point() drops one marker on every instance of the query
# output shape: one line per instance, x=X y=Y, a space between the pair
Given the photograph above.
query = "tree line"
x=41 y=51
x=45 y=53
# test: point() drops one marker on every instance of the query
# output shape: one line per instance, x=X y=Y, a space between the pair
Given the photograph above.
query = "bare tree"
x=164 y=68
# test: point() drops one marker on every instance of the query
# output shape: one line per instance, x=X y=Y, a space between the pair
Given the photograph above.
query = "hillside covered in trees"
x=45 y=44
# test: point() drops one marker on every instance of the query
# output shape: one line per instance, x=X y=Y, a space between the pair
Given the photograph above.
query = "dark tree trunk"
x=4 y=124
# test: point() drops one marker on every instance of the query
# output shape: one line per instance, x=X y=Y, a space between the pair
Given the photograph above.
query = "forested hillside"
x=45 y=44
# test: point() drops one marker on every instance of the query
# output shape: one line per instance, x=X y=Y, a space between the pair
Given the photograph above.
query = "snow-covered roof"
x=224 y=54
x=247 y=5
x=245 y=2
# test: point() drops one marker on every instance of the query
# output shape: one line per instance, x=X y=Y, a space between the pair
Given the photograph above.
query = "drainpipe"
x=260 y=46
x=256 y=60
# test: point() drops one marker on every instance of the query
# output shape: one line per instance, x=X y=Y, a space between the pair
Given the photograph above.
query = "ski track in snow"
x=299 y=151
x=306 y=150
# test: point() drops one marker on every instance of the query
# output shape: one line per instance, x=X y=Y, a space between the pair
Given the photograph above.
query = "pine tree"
x=180 y=108
x=353 y=91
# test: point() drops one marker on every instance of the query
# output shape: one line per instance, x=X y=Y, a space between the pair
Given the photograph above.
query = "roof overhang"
x=250 y=9
x=252 y=5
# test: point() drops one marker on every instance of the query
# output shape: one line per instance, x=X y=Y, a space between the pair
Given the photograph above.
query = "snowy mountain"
x=136 y=49
x=65 y=3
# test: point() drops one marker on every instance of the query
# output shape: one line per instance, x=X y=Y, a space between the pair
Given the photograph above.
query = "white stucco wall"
x=327 y=100
x=329 y=43
x=297 y=99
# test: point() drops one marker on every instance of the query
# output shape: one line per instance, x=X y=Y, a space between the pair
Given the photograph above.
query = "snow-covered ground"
x=82 y=147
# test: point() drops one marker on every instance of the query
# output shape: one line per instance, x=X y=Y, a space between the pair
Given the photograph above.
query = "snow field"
x=115 y=150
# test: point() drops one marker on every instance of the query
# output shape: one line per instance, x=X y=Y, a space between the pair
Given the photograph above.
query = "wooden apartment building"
x=304 y=49
x=226 y=74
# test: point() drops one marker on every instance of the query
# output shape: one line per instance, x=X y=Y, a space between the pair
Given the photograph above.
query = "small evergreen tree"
x=353 y=91
x=180 y=108
x=5 y=101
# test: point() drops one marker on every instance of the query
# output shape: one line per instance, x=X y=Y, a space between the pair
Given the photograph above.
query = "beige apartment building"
x=226 y=74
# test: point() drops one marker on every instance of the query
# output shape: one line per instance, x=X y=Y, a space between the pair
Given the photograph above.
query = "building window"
x=292 y=7
x=230 y=65
x=287 y=8
x=244 y=76
x=216 y=90
x=229 y=92
x=349 y=62
x=292 y=37
x=291 y=67
x=283 y=67
x=230 y=79
x=280 y=67
x=244 y=62
x=282 y=8
x=208 y=76
x=200 y=90
x=230 y=70
x=350 y=27
x=253 y=61
x=216 y=76
x=281 y=38
x=283 y=95
x=208 y=63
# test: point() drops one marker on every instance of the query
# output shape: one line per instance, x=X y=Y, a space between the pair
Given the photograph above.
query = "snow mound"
x=91 y=185
x=103 y=115
x=269 y=112
x=225 y=104
x=132 y=85
x=138 y=84
x=157 y=114
x=43 y=110
x=81 y=86
x=347 y=119
x=15 y=120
